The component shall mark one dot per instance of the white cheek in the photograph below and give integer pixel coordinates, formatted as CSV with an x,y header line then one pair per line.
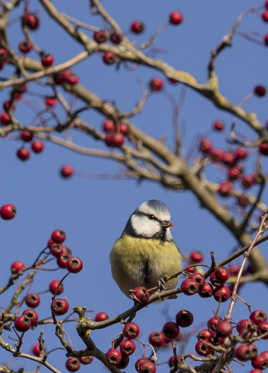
x,y
169,236
144,226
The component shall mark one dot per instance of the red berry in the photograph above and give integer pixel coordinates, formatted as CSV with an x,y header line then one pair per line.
x,y
37,146
146,366
216,155
263,148
258,316
127,347
5,118
222,274
8,211
50,101
234,173
197,277
205,146
23,154
115,139
265,39
246,181
190,269
174,360
240,153
243,200
189,286
256,371
137,27
242,352
260,90
218,125
224,328
36,349
22,323
205,290
66,171
263,328
222,294
109,58
205,334
213,322
30,20
101,316
156,84
225,188
265,16
100,36
58,236
131,330
260,362
74,264
72,79
86,359
56,249
17,266
60,306
31,315
25,46
26,135
108,125
123,128
138,362
233,270
9,105
229,159
3,55
175,18
62,260
170,330
32,300
140,295
124,362
245,328
47,60
196,256
55,287
114,356
156,339
202,348
72,364
184,318
116,37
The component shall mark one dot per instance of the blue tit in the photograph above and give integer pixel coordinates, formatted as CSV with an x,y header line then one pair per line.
x,y
146,253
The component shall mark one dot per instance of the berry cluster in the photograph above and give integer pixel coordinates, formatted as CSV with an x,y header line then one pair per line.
x,y
115,133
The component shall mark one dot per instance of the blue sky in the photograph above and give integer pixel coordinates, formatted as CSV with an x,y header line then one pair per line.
x,y
93,211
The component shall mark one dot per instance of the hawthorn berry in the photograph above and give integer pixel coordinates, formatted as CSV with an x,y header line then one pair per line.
x,y
8,211
31,315
60,306
156,339
263,148
113,356
31,21
23,153
156,84
47,60
197,277
124,362
25,46
55,287
101,316
109,58
140,295
147,366
37,146
260,362
17,266
184,318
36,349
240,153
56,249
221,274
3,55
245,328
116,37
205,146
258,316
137,27
189,286
242,352
221,294
108,125
196,256
66,171
115,139
72,364
26,135
264,16
58,236
205,290
170,330
263,328
127,347
62,260
260,90
86,359
218,125
216,155
123,128
174,360
9,105
225,188
100,36
5,118
50,101
242,200
175,18
22,323
205,334
32,300
234,173
224,328
131,330
246,181
229,159
74,264
213,322
202,348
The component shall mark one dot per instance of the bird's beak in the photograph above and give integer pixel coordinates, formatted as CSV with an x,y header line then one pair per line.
x,y
167,224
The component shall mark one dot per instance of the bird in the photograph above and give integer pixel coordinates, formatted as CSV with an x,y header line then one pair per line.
x,y
145,253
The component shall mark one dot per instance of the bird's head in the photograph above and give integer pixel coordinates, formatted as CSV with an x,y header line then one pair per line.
x,y
150,220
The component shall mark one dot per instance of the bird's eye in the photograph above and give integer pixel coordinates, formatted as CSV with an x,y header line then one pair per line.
x,y
152,217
